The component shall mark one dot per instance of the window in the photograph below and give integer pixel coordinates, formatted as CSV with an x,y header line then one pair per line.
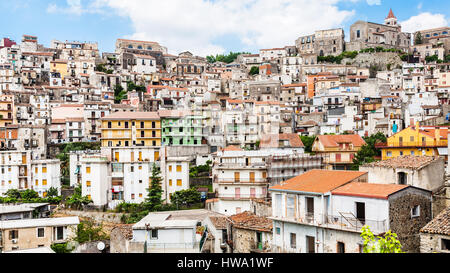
x,y
44,182
13,234
132,196
40,232
140,181
140,195
361,212
59,233
278,230
44,169
445,244
388,154
179,168
154,234
402,178
293,238
170,168
340,247
415,211
290,207
170,182
179,183
88,169
88,184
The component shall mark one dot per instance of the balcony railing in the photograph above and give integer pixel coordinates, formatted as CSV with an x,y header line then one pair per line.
x,y
242,196
441,143
338,222
240,180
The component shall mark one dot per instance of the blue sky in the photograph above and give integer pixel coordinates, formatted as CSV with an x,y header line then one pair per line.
x,y
204,27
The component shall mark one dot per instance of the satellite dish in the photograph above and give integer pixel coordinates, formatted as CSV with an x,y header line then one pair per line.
x,y
101,246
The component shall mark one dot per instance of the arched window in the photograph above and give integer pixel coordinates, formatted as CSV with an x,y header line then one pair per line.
x,y
149,48
139,47
130,46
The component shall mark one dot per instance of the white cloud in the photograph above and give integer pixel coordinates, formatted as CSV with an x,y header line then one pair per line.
x,y
374,2
195,25
419,6
423,21
76,7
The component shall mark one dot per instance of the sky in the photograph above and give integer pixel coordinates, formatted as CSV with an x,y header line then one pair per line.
x,y
206,27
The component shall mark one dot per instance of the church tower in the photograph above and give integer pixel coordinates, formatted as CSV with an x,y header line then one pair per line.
x,y
391,20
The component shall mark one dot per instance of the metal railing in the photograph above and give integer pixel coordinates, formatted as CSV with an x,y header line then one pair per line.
x,y
339,222
242,196
441,143
174,247
240,180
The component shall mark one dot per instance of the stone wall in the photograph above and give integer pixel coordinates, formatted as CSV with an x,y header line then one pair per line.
x,y
401,222
91,247
431,243
244,240
97,217
381,59
261,208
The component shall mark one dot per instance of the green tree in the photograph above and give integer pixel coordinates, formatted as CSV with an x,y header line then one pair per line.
x,y
254,70
308,141
60,248
13,194
77,201
432,58
154,198
388,243
28,195
229,58
368,152
119,93
186,197
418,39
88,232
52,192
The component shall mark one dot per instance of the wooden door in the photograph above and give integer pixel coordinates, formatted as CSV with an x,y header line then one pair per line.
x,y
252,177
237,177
156,156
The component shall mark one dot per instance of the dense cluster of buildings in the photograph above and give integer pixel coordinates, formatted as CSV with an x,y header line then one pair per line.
x,y
150,109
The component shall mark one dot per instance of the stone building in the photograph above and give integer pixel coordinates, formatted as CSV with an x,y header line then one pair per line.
x,y
250,233
425,172
119,238
388,35
435,236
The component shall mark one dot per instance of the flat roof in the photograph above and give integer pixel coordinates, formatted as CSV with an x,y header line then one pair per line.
x,y
41,222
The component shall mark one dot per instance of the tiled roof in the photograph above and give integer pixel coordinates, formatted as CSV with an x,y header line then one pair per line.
x,y
334,140
407,161
232,148
369,190
319,181
271,140
219,222
133,115
126,230
440,224
247,220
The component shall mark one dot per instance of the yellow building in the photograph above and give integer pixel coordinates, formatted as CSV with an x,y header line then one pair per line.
x,y
128,129
415,140
59,66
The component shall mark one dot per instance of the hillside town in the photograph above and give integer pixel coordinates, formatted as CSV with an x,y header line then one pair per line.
x,y
296,149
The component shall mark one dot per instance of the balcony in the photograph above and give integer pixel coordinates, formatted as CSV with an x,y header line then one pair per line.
x,y
232,197
344,221
425,144
242,181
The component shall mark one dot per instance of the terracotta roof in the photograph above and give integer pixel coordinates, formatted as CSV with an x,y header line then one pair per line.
x,y
133,115
126,230
219,222
319,181
440,224
391,15
271,140
293,85
408,161
247,220
334,140
369,190
232,148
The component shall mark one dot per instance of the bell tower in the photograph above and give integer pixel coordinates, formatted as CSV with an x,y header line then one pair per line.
x,y
391,20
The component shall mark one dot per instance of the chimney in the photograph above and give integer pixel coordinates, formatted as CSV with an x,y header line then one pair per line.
x,y
411,121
